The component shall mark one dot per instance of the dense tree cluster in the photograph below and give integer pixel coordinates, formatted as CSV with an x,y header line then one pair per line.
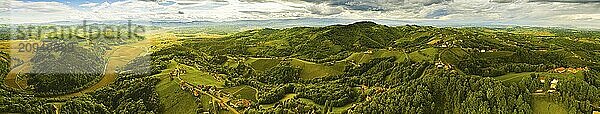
x,y
134,92
272,94
59,69
577,95
385,72
592,77
280,74
11,104
4,63
293,105
445,92
336,94
86,106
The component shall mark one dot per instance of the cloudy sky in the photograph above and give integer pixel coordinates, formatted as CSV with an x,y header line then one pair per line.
x,y
573,13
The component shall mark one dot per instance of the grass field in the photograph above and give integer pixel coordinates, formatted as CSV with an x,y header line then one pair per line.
x,y
496,54
231,63
361,57
243,92
312,70
544,105
513,77
566,76
197,77
262,64
427,54
416,56
453,55
286,97
459,52
172,98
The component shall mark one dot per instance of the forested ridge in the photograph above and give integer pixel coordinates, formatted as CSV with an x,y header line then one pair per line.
x,y
472,58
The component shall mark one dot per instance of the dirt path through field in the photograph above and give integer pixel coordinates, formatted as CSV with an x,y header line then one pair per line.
x,y
11,78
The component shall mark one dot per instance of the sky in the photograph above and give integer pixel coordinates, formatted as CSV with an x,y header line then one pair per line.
x,y
566,13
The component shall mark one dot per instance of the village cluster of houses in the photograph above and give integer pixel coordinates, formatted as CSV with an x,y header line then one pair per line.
x,y
551,89
445,44
441,65
176,73
569,70
378,90
197,91
480,50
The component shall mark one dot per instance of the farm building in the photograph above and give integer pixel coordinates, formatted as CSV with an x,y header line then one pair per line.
x,y
242,103
370,51
196,92
539,91
553,84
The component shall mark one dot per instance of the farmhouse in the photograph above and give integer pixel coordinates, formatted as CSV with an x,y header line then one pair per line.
x,y
242,103
559,70
569,70
368,51
439,64
183,85
539,91
553,84
196,92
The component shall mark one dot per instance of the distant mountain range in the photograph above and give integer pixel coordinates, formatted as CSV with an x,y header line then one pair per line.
x,y
311,22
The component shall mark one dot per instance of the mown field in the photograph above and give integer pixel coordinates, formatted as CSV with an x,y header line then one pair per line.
x,y
513,77
362,57
428,54
243,92
198,77
312,70
262,64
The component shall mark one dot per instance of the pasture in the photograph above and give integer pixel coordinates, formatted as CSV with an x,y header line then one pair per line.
x,y
243,92
262,64
196,77
172,98
312,70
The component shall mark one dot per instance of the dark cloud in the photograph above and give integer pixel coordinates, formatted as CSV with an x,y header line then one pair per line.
x,y
190,3
260,1
377,5
438,13
564,1
503,1
324,10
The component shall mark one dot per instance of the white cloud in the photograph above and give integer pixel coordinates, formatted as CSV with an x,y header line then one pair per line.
x,y
28,12
548,12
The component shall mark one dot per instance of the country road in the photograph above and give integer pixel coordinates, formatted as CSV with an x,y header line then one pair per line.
x,y
233,110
